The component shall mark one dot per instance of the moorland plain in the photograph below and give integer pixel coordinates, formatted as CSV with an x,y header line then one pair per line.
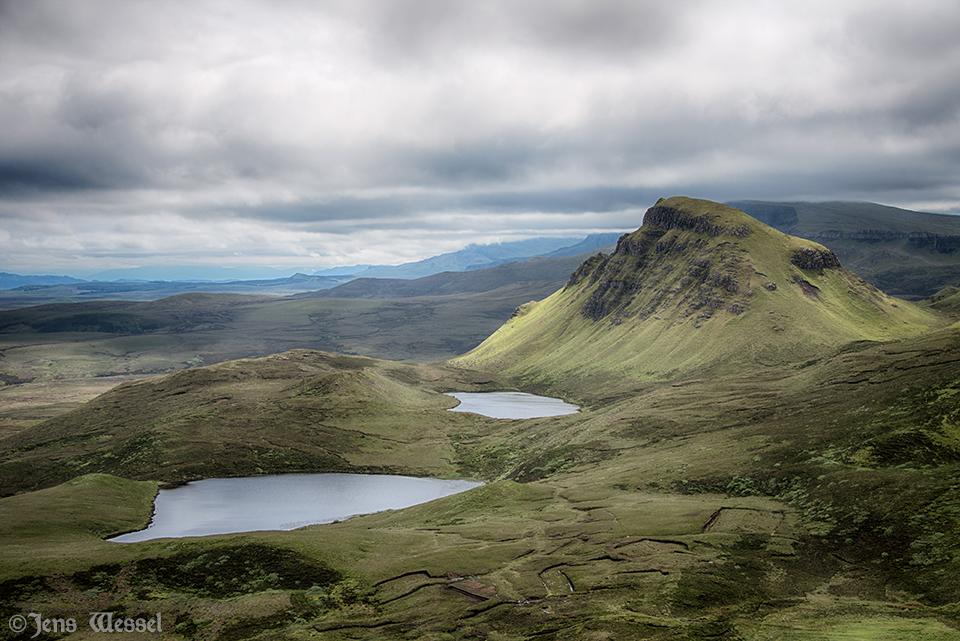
x,y
47,372
750,462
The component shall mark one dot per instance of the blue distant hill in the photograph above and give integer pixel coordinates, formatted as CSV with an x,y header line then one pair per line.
x,y
469,258
189,273
474,257
9,281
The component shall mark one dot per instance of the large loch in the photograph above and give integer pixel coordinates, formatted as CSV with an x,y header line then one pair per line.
x,y
289,501
283,502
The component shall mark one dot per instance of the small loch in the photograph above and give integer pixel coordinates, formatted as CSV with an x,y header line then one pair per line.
x,y
515,405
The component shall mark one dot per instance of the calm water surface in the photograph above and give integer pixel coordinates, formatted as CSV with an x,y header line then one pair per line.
x,y
511,405
283,502
288,501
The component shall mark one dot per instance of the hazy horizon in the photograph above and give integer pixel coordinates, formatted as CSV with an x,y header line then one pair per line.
x,y
215,273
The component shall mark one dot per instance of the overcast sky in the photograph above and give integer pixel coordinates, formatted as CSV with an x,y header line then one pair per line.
x,y
304,134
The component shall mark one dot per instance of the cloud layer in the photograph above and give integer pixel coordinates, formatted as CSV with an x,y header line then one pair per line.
x,y
309,134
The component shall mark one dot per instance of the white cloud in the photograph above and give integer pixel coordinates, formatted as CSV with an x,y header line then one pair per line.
x,y
246,119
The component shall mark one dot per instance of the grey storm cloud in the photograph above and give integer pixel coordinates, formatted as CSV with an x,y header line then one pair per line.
x,y
299,133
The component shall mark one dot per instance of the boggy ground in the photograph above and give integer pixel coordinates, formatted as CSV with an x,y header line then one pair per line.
x,y
815,502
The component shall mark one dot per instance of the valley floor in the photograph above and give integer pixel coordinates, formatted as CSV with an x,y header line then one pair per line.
x,y
815,502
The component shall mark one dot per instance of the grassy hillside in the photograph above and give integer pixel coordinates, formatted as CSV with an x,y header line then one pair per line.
x,y
700,289
905,253
821,501
43,373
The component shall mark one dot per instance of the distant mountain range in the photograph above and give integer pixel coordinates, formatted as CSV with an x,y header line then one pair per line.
x,y
469,258
23,291
474,257
908,254
189,273
551,271
9,281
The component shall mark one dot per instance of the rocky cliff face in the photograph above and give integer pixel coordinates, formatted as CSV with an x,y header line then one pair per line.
x,y
934,243
808,258
667,218
677,258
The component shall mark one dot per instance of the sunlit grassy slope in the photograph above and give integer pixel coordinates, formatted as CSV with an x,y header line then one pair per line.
x,y
700,288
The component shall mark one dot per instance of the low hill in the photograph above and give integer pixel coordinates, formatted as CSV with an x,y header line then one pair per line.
x,y
296,411
701,288
905,253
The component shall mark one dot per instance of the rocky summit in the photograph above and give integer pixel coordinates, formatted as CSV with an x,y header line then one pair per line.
x,y
699,287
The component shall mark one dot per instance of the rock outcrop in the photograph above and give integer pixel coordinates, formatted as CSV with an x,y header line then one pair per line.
x,y
808,258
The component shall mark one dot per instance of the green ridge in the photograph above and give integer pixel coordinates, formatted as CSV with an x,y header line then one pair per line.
x,y
700,288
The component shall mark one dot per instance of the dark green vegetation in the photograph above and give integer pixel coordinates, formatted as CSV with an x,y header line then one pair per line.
x,y
905,253
755,475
